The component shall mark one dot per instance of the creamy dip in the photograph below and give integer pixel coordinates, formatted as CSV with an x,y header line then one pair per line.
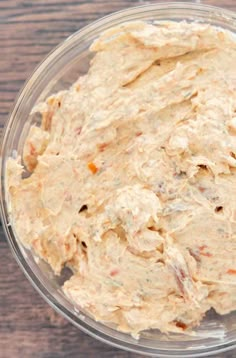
x,y
133,178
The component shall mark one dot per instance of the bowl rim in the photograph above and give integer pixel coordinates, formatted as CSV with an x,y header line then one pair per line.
x,y
4,212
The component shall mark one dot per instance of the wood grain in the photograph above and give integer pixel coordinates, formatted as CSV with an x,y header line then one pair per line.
x,y
28,31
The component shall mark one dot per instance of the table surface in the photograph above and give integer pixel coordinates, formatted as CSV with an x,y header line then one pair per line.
x,y
28,31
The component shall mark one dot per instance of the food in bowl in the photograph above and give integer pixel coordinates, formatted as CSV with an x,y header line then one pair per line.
x,y
132,176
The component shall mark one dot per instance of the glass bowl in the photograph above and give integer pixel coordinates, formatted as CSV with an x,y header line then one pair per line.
x,y
57,72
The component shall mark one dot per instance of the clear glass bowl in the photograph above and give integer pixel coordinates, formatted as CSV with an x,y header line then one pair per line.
x,y
58,71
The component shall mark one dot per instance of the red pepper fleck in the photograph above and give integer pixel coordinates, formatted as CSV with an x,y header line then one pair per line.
x,y
202,189
67,247
32,149
138,134
78,130
182,273
92,167
202,248
114,272
102,146
180,324
207,254
231,272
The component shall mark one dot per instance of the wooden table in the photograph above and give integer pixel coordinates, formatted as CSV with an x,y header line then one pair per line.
x,y
28,31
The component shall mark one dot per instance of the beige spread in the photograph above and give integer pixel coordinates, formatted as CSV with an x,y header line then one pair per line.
x,y
133,178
